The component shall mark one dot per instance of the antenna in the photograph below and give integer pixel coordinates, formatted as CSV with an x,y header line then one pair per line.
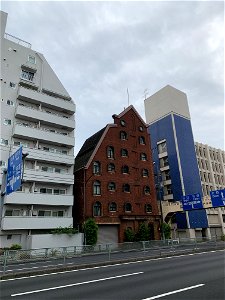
x,y
128,98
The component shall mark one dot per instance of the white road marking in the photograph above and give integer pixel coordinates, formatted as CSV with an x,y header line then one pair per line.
x,y
108,266
75,284
176,291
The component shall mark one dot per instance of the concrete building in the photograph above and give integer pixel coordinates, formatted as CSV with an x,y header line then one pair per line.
x,y
38,114
114,180
173,151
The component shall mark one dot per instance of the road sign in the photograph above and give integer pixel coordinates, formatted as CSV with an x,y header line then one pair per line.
x,y
193,201
14,172
218,198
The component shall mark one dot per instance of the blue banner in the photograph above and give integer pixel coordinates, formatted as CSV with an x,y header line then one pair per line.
x,y
193,201
14,171
218,198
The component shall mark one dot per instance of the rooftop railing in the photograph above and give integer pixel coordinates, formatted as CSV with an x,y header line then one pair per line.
x,y
17,40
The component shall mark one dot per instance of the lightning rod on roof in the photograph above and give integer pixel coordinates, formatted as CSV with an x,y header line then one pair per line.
x,y
128,98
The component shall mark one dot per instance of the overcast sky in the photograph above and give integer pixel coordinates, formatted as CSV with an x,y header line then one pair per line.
x,y
99,49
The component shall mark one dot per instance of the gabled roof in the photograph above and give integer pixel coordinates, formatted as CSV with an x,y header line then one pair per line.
x,y
129,108
87,149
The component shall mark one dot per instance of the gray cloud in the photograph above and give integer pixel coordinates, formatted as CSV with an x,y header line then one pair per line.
x,y
99,49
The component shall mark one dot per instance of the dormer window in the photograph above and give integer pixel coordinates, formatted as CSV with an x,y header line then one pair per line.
x,y
27,75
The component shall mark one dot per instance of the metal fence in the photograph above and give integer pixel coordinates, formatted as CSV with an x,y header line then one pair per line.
x,y
85,254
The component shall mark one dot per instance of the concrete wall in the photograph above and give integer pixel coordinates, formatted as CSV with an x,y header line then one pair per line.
x,y
53,240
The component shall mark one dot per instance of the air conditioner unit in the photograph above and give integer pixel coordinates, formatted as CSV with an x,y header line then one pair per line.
x,y
34,213
35,190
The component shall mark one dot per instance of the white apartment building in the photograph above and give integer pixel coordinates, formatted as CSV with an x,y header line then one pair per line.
x,y
38,114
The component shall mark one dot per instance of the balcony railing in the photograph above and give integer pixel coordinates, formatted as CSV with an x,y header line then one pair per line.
x,y
17,40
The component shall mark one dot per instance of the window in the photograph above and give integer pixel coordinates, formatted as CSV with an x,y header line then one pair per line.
x,y
125,169
57,170
2,163
124,153
164,162
58,213
166,175
27,75
110,152
8,213
169,190
162,147
141,128
112,186
128,207
123,123
147,190
141,140
145,172
7,122
123,135
96,167
97,209
96,188
45,191
143,156
44,213
112,206
4,142
148,208
9,102
12,85
111,168
126,188
31,59
59,192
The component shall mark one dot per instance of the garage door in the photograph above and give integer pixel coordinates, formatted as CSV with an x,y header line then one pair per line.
x,y
107,234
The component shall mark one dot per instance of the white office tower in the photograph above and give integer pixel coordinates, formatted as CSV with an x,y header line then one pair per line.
x,y
37,113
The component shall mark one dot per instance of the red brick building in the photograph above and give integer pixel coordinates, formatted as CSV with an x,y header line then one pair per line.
x,y
114,180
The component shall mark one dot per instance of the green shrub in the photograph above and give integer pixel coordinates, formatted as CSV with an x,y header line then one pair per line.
x,y
15,247
129,235
91,232
64,230
166,229
143,233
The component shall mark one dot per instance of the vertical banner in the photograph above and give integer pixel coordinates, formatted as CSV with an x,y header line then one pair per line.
x,y
14,171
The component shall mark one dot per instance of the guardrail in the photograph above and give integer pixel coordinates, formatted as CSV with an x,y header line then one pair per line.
x,y
109,252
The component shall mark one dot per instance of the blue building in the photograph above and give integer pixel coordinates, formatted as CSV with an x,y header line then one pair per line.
x,y
174,156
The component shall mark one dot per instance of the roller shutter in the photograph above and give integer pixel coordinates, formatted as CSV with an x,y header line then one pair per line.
x,y
107,234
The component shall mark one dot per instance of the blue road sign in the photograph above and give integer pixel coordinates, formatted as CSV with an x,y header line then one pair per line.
x,y
193,201
14,172
218,198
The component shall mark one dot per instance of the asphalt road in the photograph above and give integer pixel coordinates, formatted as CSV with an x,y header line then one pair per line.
x,y
29,266
192,277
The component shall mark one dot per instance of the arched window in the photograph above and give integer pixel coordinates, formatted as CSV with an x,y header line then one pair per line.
x,y
147,190
96,188
123,135
126,188
128,207
124,152
148,208
97,207
145,173
125,169
112,206
141,140
96,167
112,186
110,152
143,156
111,167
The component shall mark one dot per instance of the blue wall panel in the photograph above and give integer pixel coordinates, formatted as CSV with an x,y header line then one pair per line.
x,y
198,219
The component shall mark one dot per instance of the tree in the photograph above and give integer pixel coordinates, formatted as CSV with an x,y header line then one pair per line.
x,y
91,232
166,229
143,233
129,235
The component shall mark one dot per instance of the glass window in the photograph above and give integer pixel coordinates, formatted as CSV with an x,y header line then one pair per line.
x,y
111,167
164,162
57,170
96,167
2,163
145,172
27,75
45,191
125,169
143,156
148,208
97,209
112,186
126,188
141,140
147,190
9,102
31,59
12,85
7,122
110,152
4,142
123,135
162,147
8,213
97,188
123,123
112,206
124,152
128,207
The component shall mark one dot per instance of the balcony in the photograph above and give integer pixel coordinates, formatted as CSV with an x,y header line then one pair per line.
x,y
49,101
40,134
48,177
29,113
22,198
14,223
